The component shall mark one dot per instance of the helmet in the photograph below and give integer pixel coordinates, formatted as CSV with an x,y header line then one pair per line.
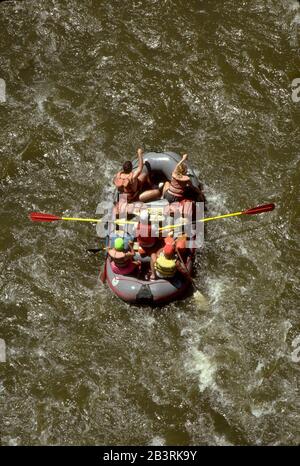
x,y
119,244
169,250
169,240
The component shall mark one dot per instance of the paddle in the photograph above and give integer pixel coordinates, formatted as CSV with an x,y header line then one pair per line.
x,y
255,210
94,250
103,274
40,217
187,272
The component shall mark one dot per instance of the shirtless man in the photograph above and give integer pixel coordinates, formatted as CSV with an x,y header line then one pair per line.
x,y
131,182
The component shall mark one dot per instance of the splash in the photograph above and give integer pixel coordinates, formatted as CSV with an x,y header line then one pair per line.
x,y
201,301
157,442
203,366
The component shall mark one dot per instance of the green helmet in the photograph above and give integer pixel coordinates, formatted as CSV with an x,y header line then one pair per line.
x,y
119,244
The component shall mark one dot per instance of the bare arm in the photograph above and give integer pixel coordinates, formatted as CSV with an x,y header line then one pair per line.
x,y
137,173
131,252
184,157
111,253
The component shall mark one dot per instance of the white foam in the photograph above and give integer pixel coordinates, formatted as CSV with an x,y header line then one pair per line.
x,y
221,440
202,365
216,200
154,42
201,301
294,5
259,367
13,442
157,441
285,325
262,410
216,289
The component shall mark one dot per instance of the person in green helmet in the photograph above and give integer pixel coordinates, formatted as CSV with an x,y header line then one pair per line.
x,y
121,261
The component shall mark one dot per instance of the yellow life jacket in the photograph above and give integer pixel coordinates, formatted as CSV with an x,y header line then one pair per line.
x,y
165,267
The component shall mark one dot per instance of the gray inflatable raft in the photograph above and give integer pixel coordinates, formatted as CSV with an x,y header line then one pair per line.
x,y
135,290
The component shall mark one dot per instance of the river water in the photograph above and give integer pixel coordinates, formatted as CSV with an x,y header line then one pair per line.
x,y
87,82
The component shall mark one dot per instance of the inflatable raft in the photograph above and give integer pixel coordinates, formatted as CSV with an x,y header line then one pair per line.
x,y
139,289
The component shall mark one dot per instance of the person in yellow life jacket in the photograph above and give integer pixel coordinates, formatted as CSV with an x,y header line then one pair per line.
x,y
131,182
163,263
122,262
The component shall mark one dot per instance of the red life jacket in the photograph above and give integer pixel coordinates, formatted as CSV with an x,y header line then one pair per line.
x,y
121,259
126,184
177,186
143,234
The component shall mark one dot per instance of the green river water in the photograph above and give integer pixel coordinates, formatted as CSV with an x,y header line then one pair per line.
x,y
87,82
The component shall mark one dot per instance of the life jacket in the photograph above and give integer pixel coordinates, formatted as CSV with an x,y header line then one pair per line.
x,y
178,186
181,243
169,240
130,268
143,234
165,267
126,184
119,258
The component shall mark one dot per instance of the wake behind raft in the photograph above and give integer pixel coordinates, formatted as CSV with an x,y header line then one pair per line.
x,y
136,287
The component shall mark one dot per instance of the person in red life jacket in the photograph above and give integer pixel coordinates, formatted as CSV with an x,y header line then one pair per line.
x,y
170,238
176,190
131,182
145,237
122,262
182,253
180,244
